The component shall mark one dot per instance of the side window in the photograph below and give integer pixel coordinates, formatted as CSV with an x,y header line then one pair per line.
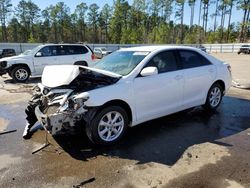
x,y
74,50
80,50
46,51
62,50
164,61
190,59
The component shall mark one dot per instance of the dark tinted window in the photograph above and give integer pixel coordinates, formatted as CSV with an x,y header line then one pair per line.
x,y
62,50
164,61
190,59
77,50
49,51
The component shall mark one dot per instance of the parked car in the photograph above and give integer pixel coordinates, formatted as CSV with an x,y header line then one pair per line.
x,y
101,52
32,62
126,88
201,47
244,49
7,53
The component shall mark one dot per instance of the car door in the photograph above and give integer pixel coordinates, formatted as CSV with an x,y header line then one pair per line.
x,y
160,94
199,74
45,56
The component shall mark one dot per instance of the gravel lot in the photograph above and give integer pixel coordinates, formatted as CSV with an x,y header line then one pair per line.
x,y
194,149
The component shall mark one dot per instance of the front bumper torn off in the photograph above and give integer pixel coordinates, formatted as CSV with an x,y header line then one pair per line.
x,y
52,123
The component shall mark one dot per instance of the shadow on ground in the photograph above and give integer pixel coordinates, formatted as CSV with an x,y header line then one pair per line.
x,y
165,139
32,80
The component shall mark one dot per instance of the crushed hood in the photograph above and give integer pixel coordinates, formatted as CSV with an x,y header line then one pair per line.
x,y
59,75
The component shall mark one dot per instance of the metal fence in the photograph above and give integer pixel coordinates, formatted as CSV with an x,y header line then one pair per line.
x,y
211,48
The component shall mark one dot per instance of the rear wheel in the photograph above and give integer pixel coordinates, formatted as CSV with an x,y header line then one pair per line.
x,y
20,73
108,126
214,97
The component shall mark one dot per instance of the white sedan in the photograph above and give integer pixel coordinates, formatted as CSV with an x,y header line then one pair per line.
x,y
126,88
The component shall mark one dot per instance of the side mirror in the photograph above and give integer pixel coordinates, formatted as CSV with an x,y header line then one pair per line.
x,y
39,54
149,71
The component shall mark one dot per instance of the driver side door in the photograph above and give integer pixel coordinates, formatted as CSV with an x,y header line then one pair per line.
x,y
45,56
161,94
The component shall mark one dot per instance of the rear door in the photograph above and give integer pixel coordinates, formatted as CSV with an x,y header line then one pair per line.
x,y
199,75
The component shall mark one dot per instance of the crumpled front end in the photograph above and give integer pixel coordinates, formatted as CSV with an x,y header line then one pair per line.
x,y
56,109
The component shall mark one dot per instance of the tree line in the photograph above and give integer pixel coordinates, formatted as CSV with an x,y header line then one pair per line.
x,y
144,21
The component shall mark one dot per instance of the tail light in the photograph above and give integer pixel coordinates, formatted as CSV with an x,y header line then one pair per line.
x,y
93,56
229,68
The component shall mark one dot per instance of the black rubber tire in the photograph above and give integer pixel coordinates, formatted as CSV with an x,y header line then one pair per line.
x,y
15,69
92,128
82,63
207,105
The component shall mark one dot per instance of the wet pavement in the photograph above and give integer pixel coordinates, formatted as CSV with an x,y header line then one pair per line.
x,y
187,149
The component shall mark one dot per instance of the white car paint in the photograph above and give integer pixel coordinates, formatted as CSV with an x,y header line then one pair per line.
x,y
161,94
37,64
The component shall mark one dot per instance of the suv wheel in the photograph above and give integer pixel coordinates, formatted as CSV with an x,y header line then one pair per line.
x,y
214,97
108,126
20,73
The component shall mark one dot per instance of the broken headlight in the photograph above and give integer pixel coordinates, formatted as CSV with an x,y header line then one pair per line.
x,y
76,101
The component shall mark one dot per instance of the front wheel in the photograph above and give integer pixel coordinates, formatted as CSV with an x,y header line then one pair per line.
x,y
214,97
108,126
20,73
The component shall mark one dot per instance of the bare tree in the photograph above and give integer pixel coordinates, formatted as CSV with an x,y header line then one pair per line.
x,y
5,9
191,3
229,18
245,6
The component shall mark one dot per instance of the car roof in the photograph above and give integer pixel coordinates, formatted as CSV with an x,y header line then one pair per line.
x,y
153,48
64,44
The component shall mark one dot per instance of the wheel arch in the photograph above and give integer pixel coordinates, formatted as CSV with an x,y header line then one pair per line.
x,y
222,84
20,64
83,63
121,103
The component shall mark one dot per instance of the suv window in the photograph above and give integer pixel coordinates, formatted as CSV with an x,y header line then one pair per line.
x,y
164,61
76,50
191,59
48,51
62,50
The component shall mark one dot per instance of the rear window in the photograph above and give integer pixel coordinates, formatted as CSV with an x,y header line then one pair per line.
x,y
191,59
72,50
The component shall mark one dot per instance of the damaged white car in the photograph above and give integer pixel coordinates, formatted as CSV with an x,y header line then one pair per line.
x,y
126,88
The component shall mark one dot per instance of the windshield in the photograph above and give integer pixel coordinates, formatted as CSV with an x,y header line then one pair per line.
x,y
30,52
121,62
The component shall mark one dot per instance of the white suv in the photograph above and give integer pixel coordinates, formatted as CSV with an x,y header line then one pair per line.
x,y
126,88
32,62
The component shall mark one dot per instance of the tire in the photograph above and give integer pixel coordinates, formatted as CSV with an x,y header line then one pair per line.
x,y
103,133
214,97
20,73
82,63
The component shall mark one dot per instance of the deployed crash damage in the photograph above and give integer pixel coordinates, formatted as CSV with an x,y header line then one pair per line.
x,y
58,102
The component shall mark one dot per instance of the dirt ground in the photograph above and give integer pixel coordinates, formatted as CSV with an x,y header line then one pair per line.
x,y
194,149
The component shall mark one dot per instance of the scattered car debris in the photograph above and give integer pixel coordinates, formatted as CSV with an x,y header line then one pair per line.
x,y
41,148
46,144
84,182
239,85
6,132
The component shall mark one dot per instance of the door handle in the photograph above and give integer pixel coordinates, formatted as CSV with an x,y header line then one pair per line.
x,y
178,77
